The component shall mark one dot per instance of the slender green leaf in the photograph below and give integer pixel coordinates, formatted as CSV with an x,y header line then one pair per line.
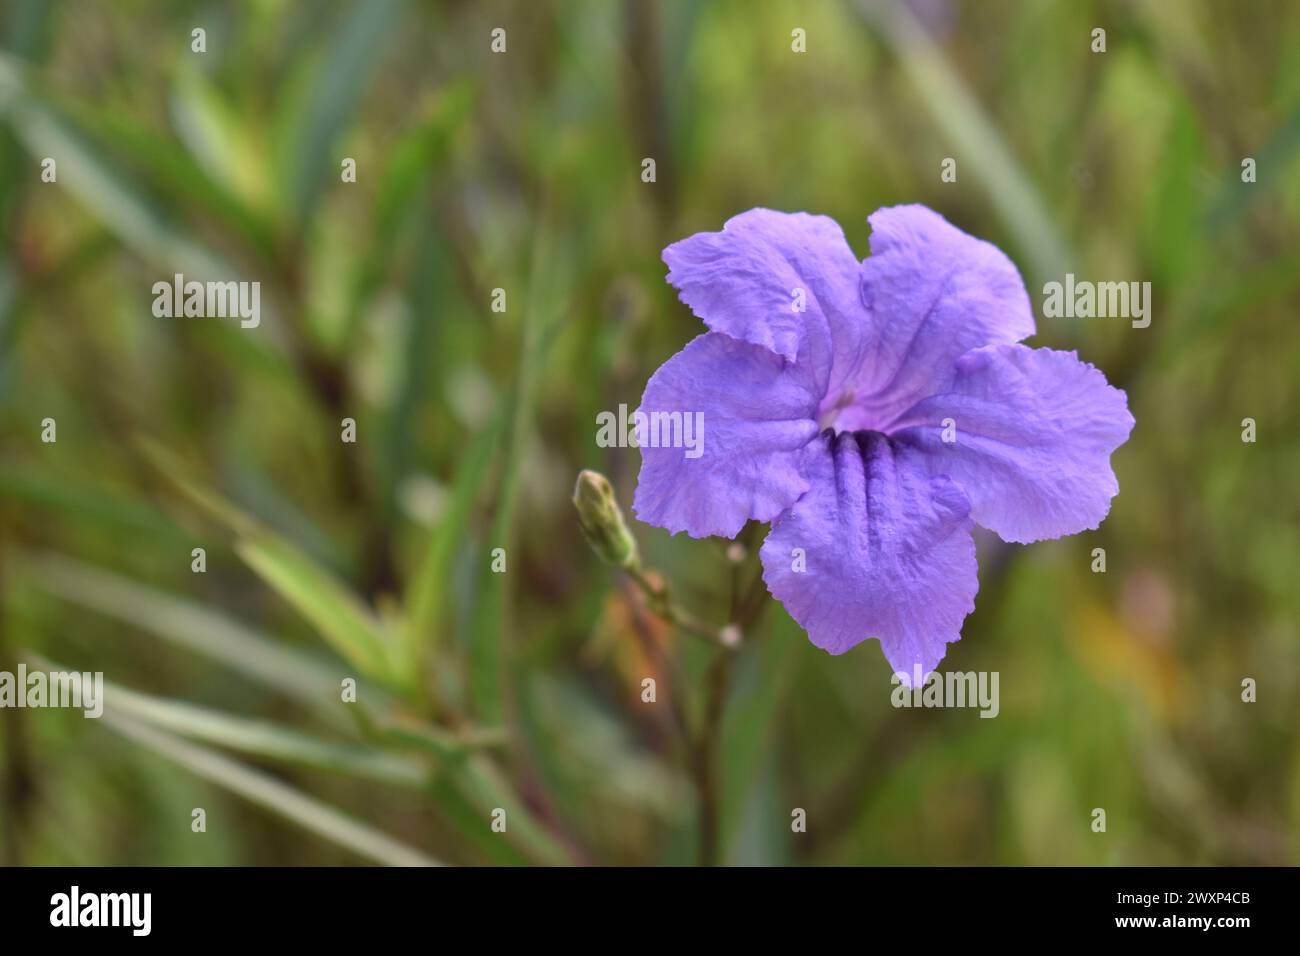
x,y
28,31
322,600
1272,159
960,115
415,160
87,170
341,79
178,179
487,656
91,503
749,724
425,619
215,636
263,739
222,141
266,791
191,626
472,787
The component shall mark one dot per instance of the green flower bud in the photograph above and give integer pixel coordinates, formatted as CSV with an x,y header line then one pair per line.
x,y
602,523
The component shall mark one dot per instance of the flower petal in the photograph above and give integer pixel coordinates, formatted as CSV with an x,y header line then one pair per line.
x,y
745,280
888,553
757,415
1034,431
932,293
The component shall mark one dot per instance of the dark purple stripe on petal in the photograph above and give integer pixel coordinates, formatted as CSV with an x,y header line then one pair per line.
x,y
876,548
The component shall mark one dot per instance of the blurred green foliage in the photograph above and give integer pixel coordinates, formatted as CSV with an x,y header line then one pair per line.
x,y
522,691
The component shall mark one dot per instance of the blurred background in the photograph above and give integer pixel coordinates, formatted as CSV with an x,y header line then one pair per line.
x,y
521,691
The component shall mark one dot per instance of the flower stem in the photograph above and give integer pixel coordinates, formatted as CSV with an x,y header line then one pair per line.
x,y
706,757
661,603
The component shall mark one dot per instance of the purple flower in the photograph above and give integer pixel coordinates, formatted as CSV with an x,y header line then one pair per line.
x,y
875,425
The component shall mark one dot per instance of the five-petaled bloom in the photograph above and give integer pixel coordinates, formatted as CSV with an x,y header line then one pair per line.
x,y
874,412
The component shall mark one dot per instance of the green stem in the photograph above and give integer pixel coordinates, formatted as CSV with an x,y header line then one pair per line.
x,y
663,606
706,757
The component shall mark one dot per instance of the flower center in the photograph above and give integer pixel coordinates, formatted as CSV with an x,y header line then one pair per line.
x,y
830,410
